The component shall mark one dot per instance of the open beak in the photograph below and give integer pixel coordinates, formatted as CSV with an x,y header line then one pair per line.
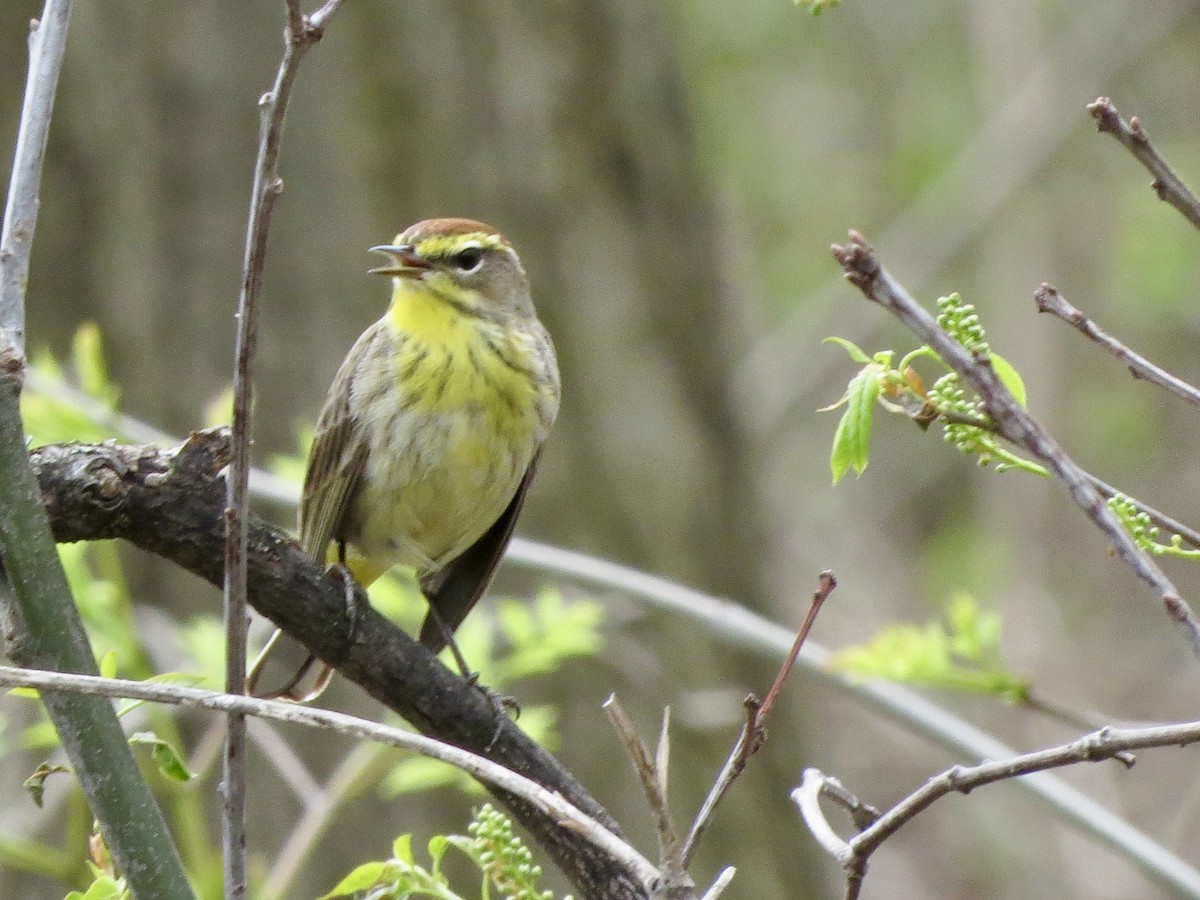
x,y
404,261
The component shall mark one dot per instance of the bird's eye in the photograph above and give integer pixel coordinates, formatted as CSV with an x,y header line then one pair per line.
x,y
469,259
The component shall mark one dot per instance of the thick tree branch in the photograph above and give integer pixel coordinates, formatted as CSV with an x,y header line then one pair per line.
x,y
170,503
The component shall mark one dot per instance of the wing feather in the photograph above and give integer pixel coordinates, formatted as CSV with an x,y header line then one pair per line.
x,y
456,588
338,456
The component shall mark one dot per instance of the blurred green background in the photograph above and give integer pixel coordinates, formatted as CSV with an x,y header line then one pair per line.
x,y
672,174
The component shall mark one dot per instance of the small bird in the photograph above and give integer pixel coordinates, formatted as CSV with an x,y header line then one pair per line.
x,y
431,430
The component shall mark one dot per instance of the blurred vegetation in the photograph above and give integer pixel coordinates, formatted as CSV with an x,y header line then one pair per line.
x,y
672,174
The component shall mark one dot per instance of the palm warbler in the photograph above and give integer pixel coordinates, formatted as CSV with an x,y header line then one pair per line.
x,y
431,430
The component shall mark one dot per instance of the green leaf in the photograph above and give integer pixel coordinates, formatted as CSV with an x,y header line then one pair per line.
x,y
856,352
105,887
87,352
402,849
108,664
852,440
1009,377
361,879
961,651
165,756
35,784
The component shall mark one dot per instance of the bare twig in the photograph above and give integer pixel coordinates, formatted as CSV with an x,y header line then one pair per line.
x,y
864,271
826,582
853,855
652,776
549,802
300,36
754,732
1049,300
814,785
1132,136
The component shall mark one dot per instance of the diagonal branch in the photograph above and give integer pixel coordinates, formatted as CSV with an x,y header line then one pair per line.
x,y
170,503
864,271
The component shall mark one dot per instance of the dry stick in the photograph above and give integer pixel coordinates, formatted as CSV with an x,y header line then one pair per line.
x,y
648,774
864,271
652,776
300,35
1049,300
754,731
1167,185
1104,744
550,802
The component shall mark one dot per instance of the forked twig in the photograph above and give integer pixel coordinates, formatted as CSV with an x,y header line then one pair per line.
x,y
652,775
754,732
854,854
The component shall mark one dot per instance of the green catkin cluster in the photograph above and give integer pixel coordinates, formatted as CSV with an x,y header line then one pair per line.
x,y
948,394
961,322
504,858
1136,522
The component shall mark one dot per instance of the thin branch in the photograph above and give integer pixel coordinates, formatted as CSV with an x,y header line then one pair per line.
x,y
754,732
919,414
299,37
1132,136
826,583
551,803
864,271
853,855
47,43
813,785
1049,300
